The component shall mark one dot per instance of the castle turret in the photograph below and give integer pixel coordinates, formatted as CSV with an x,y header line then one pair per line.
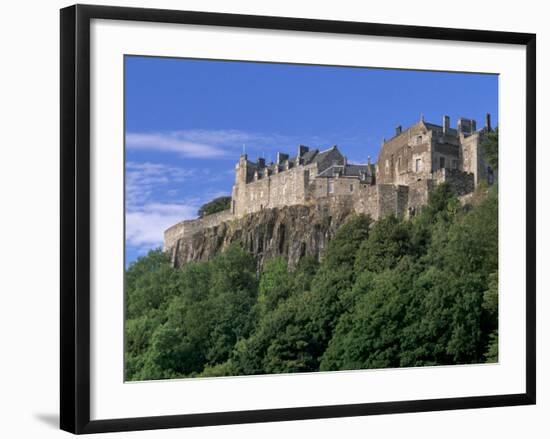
x,y
446,124
466,126
241,170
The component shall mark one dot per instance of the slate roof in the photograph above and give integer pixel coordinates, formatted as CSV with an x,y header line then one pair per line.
x,y
309,157
351,170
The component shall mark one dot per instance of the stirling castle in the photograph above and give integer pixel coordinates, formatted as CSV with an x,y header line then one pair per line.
x,y
409,166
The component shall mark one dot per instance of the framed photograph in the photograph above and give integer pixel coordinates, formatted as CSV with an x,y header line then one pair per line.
x,y
273,218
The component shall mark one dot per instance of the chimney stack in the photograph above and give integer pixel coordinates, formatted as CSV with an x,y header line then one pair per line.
x,y
302,149
446,124
398,130
261,162
488,122
281,157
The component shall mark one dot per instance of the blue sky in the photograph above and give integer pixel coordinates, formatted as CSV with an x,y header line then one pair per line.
x,y
187,122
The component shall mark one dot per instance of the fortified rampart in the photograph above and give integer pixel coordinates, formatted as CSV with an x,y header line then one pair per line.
x,y
190,227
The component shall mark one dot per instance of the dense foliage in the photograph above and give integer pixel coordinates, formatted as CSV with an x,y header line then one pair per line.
x,y
214,206
386,294
490,148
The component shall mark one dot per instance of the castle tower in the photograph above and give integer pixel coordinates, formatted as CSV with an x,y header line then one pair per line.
x,y
473,158
241,170
239,188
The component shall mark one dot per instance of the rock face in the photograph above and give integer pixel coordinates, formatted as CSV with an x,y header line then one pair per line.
x,y
292,231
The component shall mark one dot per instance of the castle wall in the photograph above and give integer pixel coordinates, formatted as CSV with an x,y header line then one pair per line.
x,y
461,182
470,155
392,200
418,195
190,227
281,189
402,200
397,162
448,152
365,200
330,187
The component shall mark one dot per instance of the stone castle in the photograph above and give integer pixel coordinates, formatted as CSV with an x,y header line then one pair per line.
x,y
409,166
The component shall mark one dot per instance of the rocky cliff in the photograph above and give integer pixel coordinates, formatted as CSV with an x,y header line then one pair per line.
x,y
292,232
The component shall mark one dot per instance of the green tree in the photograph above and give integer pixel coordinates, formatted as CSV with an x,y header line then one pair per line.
x,y
304,274
390,294
369,336
490,148
233,296
388,241
490,305
150,282
276,284
216,205
283,342
333,281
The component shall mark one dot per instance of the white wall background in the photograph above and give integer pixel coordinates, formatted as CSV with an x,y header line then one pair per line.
x,y
29,249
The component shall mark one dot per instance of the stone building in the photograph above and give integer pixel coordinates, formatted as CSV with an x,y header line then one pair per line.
x,y
409,166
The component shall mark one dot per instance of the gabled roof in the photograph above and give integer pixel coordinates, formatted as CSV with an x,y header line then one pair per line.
x,y
351,170
322,158
309,156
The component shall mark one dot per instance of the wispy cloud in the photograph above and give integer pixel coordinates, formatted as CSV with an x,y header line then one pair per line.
x,y
173,142
145,225
146,215
214,144
143,179
154,201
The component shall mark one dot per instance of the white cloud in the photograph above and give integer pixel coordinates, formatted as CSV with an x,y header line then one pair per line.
x,y
216,144
145,226
173,142
210,144
146,216
205,144
146,178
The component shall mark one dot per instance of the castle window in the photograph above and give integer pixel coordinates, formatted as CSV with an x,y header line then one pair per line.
x,y
351,188
455,164
418,140
442,162
331,186
418,165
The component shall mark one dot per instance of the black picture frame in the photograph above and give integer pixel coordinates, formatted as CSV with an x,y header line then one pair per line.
x,y
75,217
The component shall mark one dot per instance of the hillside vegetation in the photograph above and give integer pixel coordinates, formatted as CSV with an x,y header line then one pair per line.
x,y
216,205
394,293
